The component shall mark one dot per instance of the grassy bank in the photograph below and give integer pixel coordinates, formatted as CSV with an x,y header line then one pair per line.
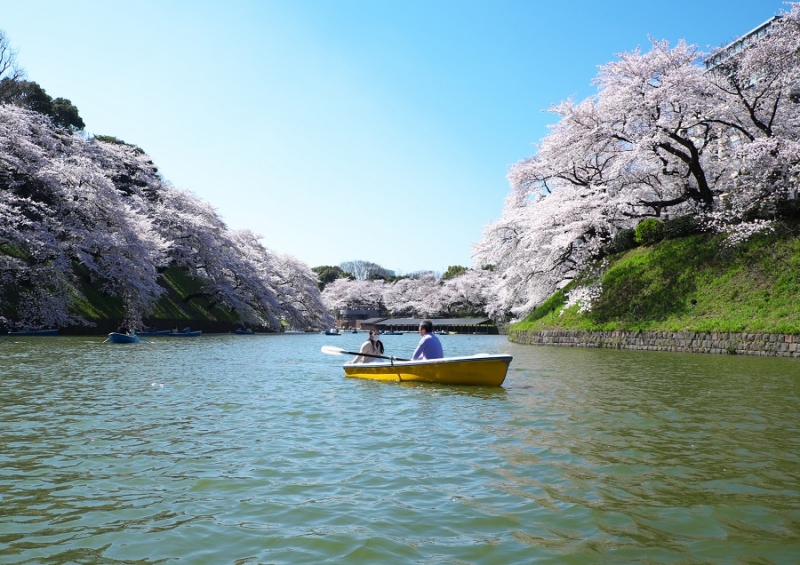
x,y
694,283
183,304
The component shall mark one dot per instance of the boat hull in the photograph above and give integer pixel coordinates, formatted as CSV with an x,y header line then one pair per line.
x,y
197,333
115,337
476,370
154,334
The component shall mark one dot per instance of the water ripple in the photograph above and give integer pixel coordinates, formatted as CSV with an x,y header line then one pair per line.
x,y
257,450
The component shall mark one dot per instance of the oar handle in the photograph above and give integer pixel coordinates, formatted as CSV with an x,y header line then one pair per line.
x,y
377,356
330,350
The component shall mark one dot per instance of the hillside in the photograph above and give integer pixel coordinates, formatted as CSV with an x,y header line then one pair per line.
x,y
90,233
695,284
182,304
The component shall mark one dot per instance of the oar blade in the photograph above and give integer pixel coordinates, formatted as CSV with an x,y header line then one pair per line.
x,y
331,350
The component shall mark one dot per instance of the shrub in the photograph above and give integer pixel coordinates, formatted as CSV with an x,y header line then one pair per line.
x,y
649,231
623,240
681,227
788,209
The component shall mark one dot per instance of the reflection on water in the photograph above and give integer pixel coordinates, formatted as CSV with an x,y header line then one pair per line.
x,y
256,449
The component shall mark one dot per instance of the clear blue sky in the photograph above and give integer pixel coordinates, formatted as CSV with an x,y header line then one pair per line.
x,y
339,129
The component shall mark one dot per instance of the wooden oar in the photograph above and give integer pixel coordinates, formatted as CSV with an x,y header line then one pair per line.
x,y
331,350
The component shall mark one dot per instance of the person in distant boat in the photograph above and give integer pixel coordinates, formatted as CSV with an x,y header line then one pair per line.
x,y
373,346
429,346
122,330
186,330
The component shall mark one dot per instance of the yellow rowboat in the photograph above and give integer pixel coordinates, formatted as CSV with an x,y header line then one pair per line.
x,y
477,370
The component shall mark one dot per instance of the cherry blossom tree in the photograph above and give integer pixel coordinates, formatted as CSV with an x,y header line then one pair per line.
x,y
418,296
538,245
72,208
346,293
35,260
292,295
662,137
423,296
299,294
469,293
757,88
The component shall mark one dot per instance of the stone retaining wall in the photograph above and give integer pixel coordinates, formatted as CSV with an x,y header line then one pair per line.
x,y
771,345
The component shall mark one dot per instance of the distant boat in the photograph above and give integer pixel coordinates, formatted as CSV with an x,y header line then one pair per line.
x,y
244,332
293,332
392,333
155,333
24,333
332,331
197,333
115,337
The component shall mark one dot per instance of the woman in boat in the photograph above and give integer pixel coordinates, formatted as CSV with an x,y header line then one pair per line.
x,y
373,346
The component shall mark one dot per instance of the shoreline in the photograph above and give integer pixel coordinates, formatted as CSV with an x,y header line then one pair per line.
x,y
716,343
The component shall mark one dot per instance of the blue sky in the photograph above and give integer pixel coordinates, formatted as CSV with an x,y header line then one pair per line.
x,y
340,129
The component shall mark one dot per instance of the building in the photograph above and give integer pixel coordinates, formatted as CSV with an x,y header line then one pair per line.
x,y
739,44
450,325
352,318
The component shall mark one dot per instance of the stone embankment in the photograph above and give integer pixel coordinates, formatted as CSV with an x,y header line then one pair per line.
x,y
768,345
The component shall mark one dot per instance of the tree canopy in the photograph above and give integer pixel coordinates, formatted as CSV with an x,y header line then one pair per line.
x,y
453,271
364,270
327,274
663,137
14,89
424,295
70,204
30,95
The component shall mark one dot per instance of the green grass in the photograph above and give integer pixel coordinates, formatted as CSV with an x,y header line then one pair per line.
x,y
93,304
752,288
173,306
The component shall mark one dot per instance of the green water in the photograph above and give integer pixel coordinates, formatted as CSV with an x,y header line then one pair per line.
x,y
256,449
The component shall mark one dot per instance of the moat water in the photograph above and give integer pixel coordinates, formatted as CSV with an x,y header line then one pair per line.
x,y
257,449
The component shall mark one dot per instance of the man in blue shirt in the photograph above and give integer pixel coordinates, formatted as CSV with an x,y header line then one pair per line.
x,y
429,346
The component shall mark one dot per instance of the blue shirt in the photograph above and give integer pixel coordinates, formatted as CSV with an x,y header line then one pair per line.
x,y
429,348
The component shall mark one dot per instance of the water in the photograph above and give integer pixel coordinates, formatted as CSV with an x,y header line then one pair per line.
x,y
256,449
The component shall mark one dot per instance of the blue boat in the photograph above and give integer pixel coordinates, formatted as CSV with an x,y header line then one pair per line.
x,y
116,337
28,333
244,332
155,333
